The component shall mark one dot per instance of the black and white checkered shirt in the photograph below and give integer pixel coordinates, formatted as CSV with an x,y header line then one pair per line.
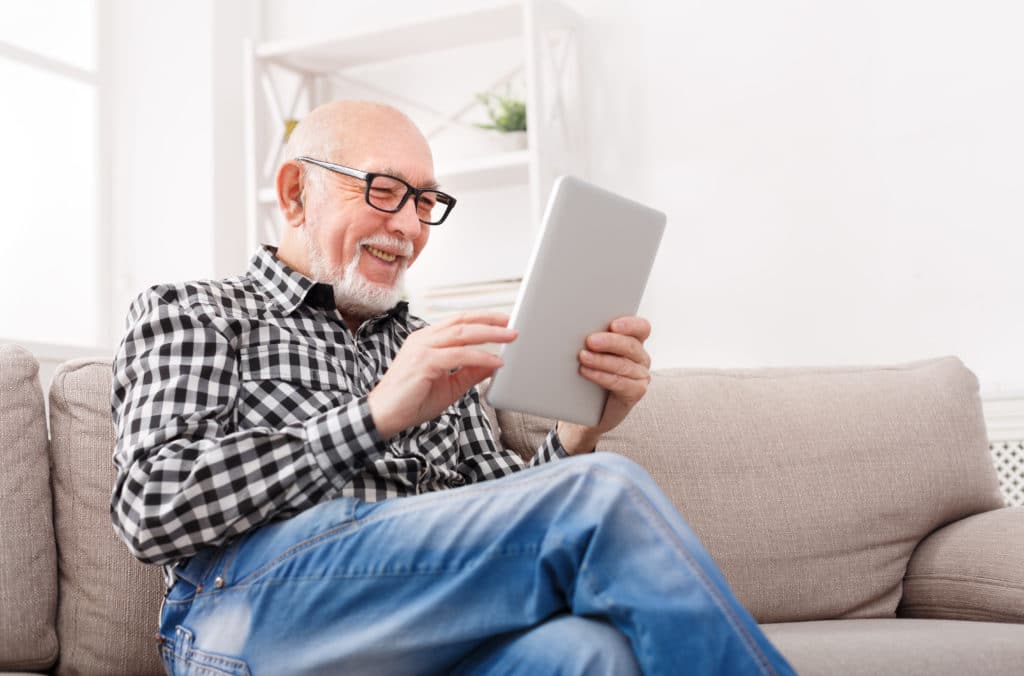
x,y
242,401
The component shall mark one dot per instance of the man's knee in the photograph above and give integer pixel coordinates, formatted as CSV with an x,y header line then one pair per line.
x,y
584,646
619,465
566,645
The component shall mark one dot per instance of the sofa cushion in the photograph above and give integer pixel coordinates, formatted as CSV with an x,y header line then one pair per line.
x,y
970,570
28,557
109,602
810,487
899,647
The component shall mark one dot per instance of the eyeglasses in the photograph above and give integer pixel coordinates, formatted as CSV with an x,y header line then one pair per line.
x,y
389,194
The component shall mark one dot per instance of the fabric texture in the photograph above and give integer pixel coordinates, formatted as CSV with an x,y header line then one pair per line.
x,y
418,585
28,557
970,570
900,647
809,486
109,603
252,391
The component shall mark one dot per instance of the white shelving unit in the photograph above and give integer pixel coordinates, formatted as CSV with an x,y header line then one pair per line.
x,y
286,79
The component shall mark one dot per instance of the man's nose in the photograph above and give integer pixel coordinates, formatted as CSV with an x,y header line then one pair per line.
x,y
405,220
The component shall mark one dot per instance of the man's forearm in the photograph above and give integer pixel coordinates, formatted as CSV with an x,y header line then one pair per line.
x,y
576,439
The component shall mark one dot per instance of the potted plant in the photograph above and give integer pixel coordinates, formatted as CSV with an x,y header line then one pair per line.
x,y
508,118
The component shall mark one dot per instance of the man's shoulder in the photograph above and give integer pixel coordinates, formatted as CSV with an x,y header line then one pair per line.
x,y
229,297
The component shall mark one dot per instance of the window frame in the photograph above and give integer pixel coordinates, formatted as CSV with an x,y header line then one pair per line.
x,y
99,80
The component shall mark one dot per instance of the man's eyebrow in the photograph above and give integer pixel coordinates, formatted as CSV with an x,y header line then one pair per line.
x,y
432,185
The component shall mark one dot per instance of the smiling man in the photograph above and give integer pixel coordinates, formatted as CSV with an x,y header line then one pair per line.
x,y
312,465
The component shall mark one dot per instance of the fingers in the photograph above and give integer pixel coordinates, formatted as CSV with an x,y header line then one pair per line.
x,y
447,359
618,344
638,327
469,376
619,366
627,389
482,317
470,334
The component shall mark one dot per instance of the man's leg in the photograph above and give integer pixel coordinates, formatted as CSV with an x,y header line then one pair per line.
x,y
415,585
565,645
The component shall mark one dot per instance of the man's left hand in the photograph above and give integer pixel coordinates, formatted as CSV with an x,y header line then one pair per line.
x,y
616,360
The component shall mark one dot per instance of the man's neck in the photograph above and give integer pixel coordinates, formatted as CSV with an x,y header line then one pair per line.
x,y
352,322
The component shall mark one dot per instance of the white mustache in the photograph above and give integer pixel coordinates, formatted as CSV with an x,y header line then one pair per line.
x,y
381,241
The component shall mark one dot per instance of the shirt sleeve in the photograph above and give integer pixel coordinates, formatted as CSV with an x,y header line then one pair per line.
x,y
550,449
186,477
483,457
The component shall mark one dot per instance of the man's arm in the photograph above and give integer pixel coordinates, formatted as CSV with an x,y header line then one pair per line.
x,y
482,453
186,478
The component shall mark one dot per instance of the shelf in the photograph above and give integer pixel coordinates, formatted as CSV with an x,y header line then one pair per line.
x,y
486,172
499,22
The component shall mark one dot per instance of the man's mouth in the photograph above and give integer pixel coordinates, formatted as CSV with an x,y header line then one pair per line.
x,y
381,254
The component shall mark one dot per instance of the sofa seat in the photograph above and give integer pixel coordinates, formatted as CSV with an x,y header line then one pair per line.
x,y
900,647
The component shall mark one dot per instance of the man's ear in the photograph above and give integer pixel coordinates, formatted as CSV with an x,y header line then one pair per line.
x,y
290,185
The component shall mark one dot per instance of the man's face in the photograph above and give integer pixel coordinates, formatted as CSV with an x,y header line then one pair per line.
x,y
361,251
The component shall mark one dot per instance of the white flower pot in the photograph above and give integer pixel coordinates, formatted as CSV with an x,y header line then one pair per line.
x,y
508,141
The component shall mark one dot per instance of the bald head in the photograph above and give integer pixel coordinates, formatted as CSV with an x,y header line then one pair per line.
x,y
341,131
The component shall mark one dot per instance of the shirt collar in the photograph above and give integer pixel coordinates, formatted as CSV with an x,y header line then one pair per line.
x,y
289,288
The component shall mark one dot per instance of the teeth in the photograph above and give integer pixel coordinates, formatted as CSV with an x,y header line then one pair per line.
x,y
381,255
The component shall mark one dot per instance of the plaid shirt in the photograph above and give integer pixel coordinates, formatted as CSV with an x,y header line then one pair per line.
x,y
242,401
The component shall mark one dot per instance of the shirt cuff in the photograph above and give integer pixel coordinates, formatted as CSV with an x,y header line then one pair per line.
x,y
343,440
550,450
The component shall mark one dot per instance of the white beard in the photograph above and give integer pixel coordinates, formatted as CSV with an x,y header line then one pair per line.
x,y
353,293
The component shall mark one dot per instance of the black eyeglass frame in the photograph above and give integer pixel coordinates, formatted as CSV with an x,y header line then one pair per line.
x,y
409,189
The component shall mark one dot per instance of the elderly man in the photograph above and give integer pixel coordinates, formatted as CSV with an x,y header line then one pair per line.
x,y
313,467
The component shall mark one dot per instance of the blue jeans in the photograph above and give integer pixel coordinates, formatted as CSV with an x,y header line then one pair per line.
x,y
581,566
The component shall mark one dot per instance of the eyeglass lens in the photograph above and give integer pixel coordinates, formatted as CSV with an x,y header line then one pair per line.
x,y
386,193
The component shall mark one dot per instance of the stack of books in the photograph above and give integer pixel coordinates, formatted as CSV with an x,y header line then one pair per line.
x,y
439,302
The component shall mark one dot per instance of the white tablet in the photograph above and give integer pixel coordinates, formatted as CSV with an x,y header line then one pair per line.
x,y
589,266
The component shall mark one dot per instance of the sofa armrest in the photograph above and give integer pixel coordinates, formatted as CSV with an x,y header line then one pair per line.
x,y
972,569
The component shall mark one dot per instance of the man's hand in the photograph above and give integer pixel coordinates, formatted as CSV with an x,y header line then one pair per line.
x,y
615,360
422,380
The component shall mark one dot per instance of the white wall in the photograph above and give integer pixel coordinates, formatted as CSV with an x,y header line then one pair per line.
x,y
177,197
162,145
842,180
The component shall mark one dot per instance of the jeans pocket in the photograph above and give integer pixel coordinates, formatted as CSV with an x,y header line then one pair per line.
x,y
267,548
180,658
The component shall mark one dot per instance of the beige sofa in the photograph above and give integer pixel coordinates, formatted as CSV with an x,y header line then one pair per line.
x,y
854,510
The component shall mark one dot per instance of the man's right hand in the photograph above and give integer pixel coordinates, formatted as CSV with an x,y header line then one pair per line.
x,y
420,383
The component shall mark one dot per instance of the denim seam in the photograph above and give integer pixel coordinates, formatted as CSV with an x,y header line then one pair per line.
x,y
230,558
218,659
752,648
351,576
209,669
299,547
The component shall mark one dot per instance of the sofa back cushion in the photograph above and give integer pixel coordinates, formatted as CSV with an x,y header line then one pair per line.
x,y
109,606
810,487
28,558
